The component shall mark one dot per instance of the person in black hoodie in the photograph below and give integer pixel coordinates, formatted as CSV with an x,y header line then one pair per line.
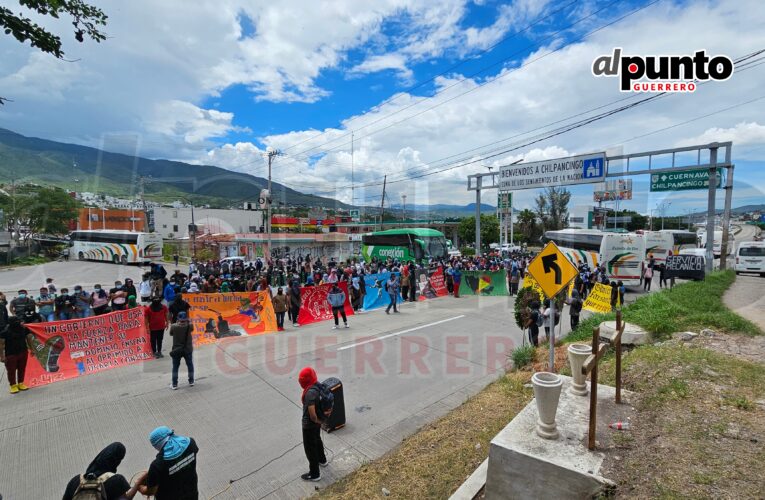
x,y
105,466
178,305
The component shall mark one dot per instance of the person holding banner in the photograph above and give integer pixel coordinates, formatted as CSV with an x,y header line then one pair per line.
x,y
14,353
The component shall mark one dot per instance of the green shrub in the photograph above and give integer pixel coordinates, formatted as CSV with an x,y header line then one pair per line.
x,y
523,356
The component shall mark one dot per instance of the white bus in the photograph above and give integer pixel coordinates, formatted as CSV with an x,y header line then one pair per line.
x,y
119,247
659,243
621,253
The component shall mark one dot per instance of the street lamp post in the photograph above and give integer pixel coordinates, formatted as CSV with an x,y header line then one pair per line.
x,y
664,206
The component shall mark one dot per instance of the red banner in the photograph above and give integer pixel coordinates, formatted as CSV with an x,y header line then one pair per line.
x,y
431,284
222,315
314,305
66,349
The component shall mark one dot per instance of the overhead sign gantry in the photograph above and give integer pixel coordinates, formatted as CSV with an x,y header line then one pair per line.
x,y
595,167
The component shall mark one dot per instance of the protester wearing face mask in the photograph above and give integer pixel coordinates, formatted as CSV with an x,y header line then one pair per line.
x,y
100,300
130,288
118,296
46,305
65,304
82,301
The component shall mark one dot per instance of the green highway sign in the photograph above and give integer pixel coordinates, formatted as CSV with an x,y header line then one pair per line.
x,y
683,181
504,201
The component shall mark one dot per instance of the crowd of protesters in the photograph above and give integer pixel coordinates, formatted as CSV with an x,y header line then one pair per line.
x,y
282,276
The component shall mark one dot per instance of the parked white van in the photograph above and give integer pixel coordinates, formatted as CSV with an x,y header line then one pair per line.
x,y
750,257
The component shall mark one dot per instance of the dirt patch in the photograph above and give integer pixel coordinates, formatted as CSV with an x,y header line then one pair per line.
x,y
700,425
434,462
740,346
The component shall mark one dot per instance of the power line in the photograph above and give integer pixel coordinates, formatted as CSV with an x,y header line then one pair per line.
x,y
464,161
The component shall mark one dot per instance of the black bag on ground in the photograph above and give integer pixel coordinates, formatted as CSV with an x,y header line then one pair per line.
x,y
336,419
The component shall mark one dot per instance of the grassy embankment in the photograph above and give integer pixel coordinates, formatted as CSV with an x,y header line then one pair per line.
x,y
688,399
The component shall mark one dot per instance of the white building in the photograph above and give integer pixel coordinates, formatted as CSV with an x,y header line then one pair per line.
x,y
581,217
173,222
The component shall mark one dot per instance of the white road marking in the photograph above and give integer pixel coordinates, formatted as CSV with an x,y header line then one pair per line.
x,y
400,333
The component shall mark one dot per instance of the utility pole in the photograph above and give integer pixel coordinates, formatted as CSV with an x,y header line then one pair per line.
x,y
403,197
271,153
193,233
479,182
382,203
353,189
726,220
141,190
711,209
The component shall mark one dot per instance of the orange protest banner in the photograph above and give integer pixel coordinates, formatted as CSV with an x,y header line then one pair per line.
x,y
221,315
60,350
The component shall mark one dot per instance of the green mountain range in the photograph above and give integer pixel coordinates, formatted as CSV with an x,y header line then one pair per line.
x,y
69,166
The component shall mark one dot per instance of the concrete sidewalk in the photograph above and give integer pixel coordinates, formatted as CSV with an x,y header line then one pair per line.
x,y
745,298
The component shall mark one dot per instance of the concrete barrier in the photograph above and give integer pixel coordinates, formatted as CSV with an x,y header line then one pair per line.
x,y
522,465
633,334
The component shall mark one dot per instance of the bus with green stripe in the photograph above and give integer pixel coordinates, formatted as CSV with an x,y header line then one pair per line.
x,y
404,245
118,247
621,253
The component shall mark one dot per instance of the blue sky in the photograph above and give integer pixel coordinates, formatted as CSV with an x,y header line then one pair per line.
x,y
420,83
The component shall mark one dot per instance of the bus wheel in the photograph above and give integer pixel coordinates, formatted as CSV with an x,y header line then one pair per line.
x,y
116,259
124,260
81,256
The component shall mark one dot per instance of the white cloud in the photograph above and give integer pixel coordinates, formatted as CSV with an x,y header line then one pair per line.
x,y
384,62
742,134
189,122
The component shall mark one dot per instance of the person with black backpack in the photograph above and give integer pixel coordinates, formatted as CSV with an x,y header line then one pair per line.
x,y
100,480
317,406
